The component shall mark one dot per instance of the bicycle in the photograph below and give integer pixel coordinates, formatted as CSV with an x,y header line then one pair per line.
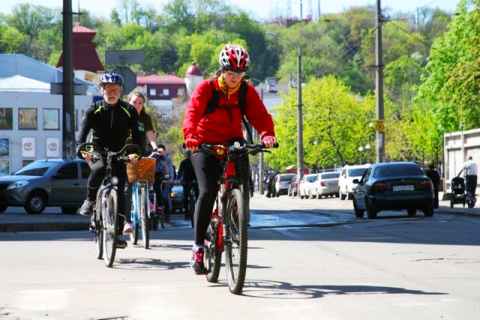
x,y
140,174
228,225
105,212
192,199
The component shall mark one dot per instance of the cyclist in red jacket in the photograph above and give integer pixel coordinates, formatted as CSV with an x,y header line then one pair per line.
x,y
222,125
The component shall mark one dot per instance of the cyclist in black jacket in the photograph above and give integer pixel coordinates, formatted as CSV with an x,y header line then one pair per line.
x,y
111,121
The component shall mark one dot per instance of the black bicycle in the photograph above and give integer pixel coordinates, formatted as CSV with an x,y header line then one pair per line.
x,y
105,212
228,225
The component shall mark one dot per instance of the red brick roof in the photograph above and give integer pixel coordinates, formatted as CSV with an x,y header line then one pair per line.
x,y
159,79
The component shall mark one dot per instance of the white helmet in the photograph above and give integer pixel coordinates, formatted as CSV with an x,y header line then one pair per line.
x,y
234,57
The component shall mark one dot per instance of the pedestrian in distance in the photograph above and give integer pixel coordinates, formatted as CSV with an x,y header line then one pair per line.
x,y
433,175
188,179
221,122
112,121
167,185
470,168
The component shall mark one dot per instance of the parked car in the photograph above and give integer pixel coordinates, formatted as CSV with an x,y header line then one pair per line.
x,y
46,183
393,186
281,183
292,187
345,182
177,195
326,184
305,185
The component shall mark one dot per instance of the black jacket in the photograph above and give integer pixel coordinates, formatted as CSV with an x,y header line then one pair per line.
x,y
111,125
186,173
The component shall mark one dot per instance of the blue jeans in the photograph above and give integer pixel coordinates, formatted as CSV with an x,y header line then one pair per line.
x,y
167,200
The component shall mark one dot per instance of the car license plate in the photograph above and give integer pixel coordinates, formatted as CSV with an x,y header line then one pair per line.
x,y
403,188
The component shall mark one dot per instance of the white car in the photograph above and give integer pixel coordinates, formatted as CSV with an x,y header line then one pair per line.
x,y
326,184
305,185
282,181
347,175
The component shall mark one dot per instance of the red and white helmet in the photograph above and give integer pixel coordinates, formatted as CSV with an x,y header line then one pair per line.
x,y
234,58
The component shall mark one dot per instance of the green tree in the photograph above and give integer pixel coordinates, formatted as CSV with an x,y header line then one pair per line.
x,y
453,76
11,40
30,19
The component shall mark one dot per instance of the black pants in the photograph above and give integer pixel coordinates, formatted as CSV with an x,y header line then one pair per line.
x,y
97,174
187,187
471,184
207,169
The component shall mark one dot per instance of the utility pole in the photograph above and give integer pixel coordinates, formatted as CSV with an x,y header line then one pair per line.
x,y
299,120
68,130
380,129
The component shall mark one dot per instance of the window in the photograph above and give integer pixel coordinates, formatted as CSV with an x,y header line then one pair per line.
x,y
330,175
181,92
51,119
153,92
27,119
166,92
85,170
4,147
6,119
398,170
68,172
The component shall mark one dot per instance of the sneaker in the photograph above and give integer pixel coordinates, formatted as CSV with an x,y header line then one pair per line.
x,y
167,219
127,228
121,243
87,208
197,261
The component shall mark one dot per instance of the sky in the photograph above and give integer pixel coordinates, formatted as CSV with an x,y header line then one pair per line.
x,y
259,9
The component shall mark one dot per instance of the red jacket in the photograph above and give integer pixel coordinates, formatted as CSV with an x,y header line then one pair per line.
x,y
223,125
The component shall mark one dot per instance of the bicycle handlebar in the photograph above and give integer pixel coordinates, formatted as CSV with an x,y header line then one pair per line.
x,y
82,148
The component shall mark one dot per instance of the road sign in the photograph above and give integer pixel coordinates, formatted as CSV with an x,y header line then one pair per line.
x,y
380,126
129,79
123,57
78,89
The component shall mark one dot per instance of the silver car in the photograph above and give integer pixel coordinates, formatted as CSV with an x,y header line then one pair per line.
x,y
42,183
325,185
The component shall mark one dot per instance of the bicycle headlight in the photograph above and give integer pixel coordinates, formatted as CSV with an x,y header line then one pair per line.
x,y
18,184
115,181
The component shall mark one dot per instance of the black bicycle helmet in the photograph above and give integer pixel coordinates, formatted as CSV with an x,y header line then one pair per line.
x,y
111,78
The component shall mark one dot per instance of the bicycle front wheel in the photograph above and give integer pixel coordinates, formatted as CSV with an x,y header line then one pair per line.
x,y
213,257
110,227
98,225
143,208
236,241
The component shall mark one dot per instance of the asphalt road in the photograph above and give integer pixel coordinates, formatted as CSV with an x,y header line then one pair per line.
x,y
332,267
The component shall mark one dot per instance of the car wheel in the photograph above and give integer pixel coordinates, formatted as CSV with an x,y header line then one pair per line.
x,y
3,208
358,212
36,203
337,194
371,212
428,212
349,195
451,203
342,196
412,212
69,210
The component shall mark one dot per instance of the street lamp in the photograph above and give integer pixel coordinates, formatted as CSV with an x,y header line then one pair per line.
x,y
299,112
367,147
360,150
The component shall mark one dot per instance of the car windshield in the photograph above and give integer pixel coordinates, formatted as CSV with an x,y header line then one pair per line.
x,y
330,175
37,168
287,178
309,178
398,170
356,172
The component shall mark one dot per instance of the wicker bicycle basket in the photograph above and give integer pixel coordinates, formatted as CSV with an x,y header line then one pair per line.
x,y
141,170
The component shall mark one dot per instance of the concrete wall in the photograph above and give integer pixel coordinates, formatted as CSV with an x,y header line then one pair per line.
x,y
457,147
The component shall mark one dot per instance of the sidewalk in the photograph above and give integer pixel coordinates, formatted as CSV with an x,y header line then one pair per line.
x,y
17,220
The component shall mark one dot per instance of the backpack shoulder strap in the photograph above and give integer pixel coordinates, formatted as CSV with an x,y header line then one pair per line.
x,y
213,103
242,96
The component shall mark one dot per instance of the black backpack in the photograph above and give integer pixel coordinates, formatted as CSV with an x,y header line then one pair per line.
x,y
242,98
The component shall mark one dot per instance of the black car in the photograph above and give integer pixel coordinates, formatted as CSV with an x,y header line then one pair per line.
x,y
46,183
393,186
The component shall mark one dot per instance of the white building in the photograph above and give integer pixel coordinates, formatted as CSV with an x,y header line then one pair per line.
x,y
31,117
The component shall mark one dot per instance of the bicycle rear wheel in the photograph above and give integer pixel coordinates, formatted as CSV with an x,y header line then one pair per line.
x,y
236,241
110,227
213,257
143,209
